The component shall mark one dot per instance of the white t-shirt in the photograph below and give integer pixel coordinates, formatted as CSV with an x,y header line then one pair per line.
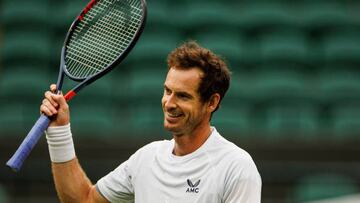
x,y
217,172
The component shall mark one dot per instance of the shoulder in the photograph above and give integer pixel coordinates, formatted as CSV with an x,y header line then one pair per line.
x,y
238,162
241,165
239,172
230,149
155,146
151,149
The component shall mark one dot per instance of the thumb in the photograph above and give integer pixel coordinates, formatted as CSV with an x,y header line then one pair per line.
x,y
63,114
60,99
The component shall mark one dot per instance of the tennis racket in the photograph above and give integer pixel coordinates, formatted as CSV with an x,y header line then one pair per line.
x,y
97,41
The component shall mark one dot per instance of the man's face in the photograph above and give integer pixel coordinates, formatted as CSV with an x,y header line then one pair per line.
x,y
181,103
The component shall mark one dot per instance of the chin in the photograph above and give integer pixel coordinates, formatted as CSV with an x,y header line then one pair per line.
x,y
172,128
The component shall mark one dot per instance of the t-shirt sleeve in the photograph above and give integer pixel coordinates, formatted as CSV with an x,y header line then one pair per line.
x,y
243,183
117,185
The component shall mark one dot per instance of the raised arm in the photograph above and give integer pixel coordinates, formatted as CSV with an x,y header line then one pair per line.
x,y
71,182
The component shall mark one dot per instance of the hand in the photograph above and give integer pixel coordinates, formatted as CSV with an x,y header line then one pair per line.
x,y
55,107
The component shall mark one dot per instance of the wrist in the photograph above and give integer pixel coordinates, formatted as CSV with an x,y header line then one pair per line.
x,y
60,143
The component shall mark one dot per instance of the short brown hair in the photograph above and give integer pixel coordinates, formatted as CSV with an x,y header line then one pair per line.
x,y
216,77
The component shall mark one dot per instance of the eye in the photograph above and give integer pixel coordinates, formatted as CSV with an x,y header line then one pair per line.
x,y
167,91
183,96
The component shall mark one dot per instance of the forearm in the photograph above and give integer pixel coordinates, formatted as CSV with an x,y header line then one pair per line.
x,y
71,182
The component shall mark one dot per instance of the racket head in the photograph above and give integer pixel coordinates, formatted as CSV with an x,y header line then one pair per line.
x,y
101,37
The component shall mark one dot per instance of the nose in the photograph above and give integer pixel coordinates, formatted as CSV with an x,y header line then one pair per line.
x,y
169,101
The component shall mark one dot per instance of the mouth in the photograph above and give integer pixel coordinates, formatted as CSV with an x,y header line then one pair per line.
x,y
173,117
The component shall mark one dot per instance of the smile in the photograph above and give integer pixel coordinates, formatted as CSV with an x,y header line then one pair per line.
x,y
173,115
173,118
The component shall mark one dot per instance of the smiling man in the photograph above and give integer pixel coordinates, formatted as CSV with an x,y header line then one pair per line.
x,y
197,166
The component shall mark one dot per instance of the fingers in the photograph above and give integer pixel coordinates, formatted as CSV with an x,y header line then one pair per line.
x,y
49,96
53,102
47,108
55,106
59,99
56,99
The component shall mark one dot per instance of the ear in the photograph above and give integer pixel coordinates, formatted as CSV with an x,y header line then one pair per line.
x,y
214,102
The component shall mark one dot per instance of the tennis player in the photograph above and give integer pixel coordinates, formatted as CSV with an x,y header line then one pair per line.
x,y
197,165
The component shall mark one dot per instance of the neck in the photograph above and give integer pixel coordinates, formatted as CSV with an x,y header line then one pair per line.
x,y
188,143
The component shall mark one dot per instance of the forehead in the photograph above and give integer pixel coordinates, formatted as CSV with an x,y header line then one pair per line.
x,y
183,80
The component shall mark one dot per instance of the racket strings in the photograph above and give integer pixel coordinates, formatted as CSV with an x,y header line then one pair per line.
x,y
102,36
102,29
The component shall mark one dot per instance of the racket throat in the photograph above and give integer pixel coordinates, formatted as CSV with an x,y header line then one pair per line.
x,y
69,95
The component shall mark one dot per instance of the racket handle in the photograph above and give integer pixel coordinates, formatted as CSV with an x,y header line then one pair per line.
x,y
17,160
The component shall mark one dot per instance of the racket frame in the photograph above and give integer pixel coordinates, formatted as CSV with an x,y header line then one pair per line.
x,y
88,80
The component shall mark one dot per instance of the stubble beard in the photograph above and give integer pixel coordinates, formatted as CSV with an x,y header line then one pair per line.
x,y
187,128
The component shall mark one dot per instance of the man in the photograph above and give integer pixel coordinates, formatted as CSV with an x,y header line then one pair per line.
x,y
197,165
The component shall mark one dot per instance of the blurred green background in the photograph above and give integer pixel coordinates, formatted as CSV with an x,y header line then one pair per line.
x,y
294,101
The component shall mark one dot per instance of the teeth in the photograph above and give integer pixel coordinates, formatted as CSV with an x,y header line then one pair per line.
x,y
174,115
